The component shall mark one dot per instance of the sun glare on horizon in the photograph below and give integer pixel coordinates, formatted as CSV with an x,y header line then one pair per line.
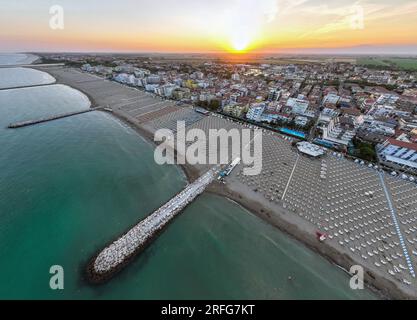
x,y
241,41
240,45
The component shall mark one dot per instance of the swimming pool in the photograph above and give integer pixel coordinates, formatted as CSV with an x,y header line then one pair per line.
x,y
294,133
324,143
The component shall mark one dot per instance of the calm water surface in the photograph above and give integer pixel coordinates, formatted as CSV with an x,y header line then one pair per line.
x,y
17,77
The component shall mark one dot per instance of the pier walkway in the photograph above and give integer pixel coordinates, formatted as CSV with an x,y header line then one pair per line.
x,y
28,86
115,256
43,65
51,118
397,225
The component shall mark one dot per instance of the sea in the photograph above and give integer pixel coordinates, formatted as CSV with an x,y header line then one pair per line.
x,y
71,186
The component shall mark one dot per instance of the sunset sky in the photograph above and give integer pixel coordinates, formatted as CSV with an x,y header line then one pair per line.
x,y
211,25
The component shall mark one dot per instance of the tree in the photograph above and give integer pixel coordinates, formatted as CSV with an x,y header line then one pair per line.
x,y
214,105
364,150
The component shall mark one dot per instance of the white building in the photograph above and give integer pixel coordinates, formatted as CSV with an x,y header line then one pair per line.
x,y
274,95
387,98
127,68
166,90
87,67
131,80
121,78
142,73
331,98
255,112
381,111
153,79
297,106
398,154
301,121
235,77
198,75
378,127
151,87
339,131
310,149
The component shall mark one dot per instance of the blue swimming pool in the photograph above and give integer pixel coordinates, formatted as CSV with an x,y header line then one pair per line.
x,y
323,143
294,133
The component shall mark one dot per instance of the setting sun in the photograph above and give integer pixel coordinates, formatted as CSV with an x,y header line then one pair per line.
x,y
240,43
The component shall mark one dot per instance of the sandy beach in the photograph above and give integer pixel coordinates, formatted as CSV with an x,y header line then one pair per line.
x,y
111,94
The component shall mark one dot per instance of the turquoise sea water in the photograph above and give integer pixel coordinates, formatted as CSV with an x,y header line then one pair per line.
x,y
17,77
70,186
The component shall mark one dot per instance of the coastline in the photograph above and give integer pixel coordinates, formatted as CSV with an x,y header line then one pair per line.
x,y
278,218
290,230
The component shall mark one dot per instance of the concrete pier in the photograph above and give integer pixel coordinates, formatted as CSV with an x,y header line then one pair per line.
x,y
114,257
42,65
28,86
47,119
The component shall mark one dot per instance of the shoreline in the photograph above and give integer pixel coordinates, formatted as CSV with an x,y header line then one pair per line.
x,y
190,173
378,284
310,243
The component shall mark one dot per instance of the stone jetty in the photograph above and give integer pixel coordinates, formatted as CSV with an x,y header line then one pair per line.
x,y
114,257
51,118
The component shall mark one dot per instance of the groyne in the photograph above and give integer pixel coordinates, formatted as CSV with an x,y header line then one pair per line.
x,y
119,253
51,118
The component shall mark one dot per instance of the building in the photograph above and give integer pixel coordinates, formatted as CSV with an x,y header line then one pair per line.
x,y
121,78
283,117
301,121
339,131
398,155
298,106
234,110
331,98
235,77
166,90
255,112
378,127
142,73
87,67
310,149
269,117
153,79
274,95
198,75
387,98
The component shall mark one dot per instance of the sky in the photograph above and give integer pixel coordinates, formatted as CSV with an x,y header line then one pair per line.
x,y
234,26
